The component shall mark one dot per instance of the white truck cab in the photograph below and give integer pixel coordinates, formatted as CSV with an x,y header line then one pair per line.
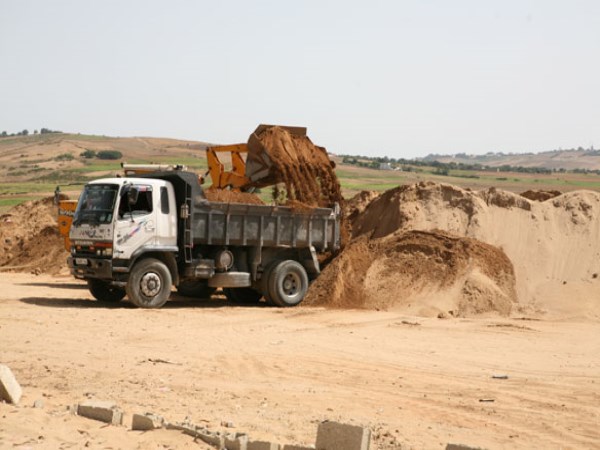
x,y
117,216
116,220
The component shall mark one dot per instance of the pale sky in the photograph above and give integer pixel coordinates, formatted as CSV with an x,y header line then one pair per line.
x,y
396,78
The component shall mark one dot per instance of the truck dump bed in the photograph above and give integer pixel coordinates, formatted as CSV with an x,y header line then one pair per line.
x,y
265,226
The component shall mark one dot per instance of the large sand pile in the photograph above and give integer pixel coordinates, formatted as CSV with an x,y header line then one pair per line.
x,y
29,238
419,272
554,245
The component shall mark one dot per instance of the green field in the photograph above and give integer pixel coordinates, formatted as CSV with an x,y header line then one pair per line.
x,y
354,179
9,202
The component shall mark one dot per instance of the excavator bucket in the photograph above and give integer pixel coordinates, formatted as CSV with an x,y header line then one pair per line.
x,y
260,169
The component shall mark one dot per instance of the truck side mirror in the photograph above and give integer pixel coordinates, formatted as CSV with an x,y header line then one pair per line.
x,y
132,196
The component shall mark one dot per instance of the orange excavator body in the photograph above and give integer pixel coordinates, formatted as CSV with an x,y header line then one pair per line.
x,y
235,178
66,210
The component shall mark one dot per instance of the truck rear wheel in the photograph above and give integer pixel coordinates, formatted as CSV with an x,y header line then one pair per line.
x,y
287,283
149,284
196,289
264,282
104,292
242,295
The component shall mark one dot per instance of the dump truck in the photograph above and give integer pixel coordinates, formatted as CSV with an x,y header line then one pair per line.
x,y
141,234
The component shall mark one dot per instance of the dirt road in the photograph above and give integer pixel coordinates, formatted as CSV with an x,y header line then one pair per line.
x,y
275,373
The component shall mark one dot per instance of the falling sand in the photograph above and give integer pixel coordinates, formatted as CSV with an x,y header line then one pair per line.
x,y
304,168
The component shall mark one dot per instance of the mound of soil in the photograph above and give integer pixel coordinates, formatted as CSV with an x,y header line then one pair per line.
x,y
304,168
554,245
540,196
419,272
227,196
357,204
29,238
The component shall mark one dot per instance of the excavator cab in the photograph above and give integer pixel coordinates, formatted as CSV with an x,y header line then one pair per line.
x,y
235,178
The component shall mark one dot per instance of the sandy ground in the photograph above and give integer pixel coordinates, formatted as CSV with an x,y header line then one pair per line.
x,y
275,373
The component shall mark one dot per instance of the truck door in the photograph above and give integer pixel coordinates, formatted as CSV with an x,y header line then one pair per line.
x,y
166,217
136,220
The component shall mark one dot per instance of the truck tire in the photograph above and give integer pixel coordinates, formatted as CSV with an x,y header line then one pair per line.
x,y
104,292
287,283
149,284
196,289
264,282
242,295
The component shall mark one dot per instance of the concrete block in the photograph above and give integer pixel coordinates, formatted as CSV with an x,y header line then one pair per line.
x,y
103,411
147,421
10,389
181,426
338,436
237,441
262,445
215,439
461,447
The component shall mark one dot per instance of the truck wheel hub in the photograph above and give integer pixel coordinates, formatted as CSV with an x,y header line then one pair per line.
x,y
150,284
291,283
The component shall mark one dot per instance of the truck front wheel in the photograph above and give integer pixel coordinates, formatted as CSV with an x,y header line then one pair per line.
x,y
104,292
149,284
287,283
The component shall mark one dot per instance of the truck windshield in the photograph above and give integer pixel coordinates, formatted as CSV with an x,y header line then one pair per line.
x,y
96,204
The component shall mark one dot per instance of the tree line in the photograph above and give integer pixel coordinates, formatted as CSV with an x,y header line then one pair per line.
x,y
441,168
25,132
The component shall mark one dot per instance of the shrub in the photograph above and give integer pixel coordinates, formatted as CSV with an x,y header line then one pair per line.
x,y
109,154
64,157
88,154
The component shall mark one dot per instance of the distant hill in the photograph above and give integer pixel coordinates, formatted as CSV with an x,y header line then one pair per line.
x,y
58,156
556,159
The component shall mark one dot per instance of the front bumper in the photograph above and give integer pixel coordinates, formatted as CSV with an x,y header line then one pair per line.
x,y
93,267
